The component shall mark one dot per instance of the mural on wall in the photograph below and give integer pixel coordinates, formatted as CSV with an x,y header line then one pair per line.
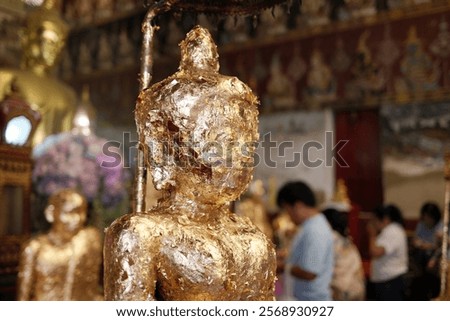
x,y
315,12
361,8
341,60
419,72
383,61
415,138
368,77
418,134
297,67
388,54
440,47
320,81
280,89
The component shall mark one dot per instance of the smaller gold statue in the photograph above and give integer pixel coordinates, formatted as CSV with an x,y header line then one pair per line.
x,y
43,39
252,206
341,201
201,128
63,264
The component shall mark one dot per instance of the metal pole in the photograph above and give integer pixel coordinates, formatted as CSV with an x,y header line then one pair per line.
x,y
444,259
145,78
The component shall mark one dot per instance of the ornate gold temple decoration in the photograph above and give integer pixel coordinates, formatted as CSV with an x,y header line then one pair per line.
x,y
445,271
84,118
17,125
63,264
43,39
200,128
341,194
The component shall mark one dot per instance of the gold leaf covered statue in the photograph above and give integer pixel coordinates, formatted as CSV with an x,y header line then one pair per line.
x,y
63,264
445,257
43,39
200,128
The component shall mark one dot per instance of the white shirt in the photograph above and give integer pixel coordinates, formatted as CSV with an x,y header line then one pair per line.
x,y
394,262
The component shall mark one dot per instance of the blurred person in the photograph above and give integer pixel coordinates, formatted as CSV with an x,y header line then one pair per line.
x,y
428,228
434,267
348,283
425,284
309,266
389,252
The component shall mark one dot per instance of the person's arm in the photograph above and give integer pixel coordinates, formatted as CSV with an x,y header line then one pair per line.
x,y
315,247
300,273
374,249
425,245
419,242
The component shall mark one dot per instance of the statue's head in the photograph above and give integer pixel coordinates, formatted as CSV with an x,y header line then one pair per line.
x,y
67,210
43,37
200,127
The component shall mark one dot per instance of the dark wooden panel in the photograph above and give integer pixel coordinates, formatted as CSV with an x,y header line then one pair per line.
x,y
362,154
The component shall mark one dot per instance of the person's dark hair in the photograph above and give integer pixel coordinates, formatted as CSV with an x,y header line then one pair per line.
x,y
338,220
432,210
390,211
293,192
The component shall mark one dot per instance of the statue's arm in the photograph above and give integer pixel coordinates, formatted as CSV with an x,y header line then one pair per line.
x,y
26,276
130,268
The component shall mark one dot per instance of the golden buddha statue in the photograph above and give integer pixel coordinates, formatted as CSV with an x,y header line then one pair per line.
x,y
200,128
43,39
63,264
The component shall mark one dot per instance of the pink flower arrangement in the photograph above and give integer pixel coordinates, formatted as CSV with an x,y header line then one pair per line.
x,y
77,161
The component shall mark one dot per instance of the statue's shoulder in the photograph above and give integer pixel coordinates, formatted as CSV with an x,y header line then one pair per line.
x,y
7,73
33,244
135,232
91,232
121,222
62,89
35,87
134,223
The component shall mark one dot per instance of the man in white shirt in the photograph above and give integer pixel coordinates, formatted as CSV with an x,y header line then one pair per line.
x,y
389,252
